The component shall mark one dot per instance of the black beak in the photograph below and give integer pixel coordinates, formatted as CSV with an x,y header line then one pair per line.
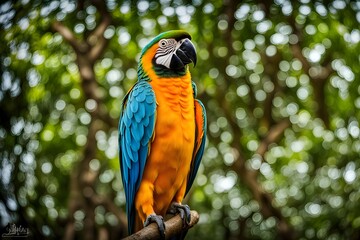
x,y
184,55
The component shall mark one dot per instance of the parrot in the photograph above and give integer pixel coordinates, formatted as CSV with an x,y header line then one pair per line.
x,y
162,133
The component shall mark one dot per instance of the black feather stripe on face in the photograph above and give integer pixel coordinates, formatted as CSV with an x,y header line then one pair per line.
x,y
166,46
165,51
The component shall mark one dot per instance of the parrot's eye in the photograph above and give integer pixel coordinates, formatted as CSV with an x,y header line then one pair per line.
x,y
162,42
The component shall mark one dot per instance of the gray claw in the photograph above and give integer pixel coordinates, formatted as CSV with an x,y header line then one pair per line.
x,y
183,210
152,218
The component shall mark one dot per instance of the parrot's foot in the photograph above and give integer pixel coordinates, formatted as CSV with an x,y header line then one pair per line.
x,y
153,218
183,210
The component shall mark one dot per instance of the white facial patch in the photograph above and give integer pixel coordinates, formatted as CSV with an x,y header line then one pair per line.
x,y
166,49
164,60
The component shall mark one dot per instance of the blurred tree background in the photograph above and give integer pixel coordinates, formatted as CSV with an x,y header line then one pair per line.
x,y
280,81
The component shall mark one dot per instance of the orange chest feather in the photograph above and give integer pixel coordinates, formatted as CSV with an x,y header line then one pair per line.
x,y
175,107
173,145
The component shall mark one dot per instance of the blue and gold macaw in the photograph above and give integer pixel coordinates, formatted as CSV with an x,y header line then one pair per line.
x,y
162,132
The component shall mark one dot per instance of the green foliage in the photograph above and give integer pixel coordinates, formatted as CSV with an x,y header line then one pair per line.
x,y
260,66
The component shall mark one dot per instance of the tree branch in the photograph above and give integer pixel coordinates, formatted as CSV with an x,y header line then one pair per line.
x,y
319,79
97,39
249,177
88,51
271,69
173,226
68,36
272,136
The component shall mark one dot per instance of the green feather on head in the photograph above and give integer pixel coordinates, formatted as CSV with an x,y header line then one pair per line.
x,y
176,34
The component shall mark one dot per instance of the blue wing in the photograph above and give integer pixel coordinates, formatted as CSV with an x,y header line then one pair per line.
x,y
200,139
136,128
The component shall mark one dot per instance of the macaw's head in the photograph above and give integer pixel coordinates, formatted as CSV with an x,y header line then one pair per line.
x,y
168,54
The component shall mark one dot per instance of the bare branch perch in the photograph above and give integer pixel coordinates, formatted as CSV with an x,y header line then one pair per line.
x,y
173,226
